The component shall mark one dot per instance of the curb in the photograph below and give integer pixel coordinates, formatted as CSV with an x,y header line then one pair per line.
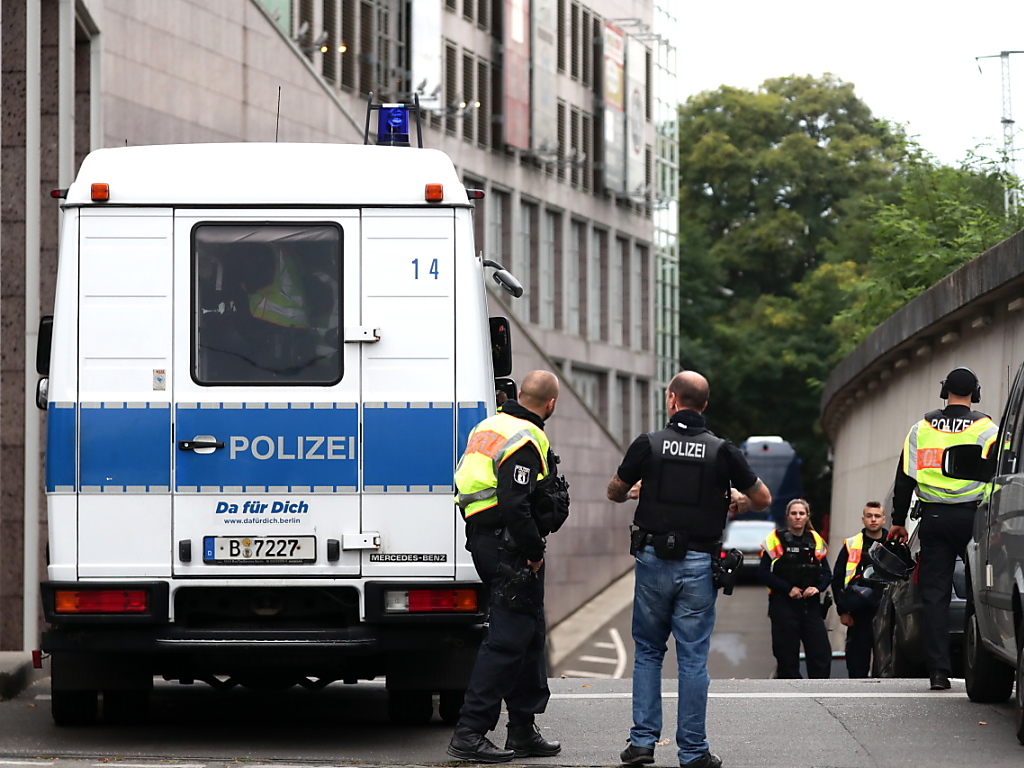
x,y
16,673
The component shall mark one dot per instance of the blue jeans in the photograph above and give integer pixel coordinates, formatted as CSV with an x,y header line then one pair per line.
x,y
677,597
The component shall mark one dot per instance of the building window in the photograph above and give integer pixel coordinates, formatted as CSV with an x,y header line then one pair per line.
x,y
574,268
525,262
561,139
560,11
329,62
636,298
349,59
451,85
574,146
589,386
574,41
469,97
595,310
587,69
620,305
546,277
483,95
620,426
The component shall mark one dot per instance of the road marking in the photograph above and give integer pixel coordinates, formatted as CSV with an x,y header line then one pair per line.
x,y
602,644
27,762
770,695
581,673
43,697
620,652
599,659
119,764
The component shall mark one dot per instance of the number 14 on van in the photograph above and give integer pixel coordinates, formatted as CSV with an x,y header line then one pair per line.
x,y
432,271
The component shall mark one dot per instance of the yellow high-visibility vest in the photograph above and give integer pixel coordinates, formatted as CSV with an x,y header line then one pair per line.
x,y
492,441
854,552
773,546
922,460
283,302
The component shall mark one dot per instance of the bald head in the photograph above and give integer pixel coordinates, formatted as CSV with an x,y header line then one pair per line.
x,y
688,389
539,393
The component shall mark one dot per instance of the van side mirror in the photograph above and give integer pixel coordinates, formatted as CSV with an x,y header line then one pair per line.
x,y
504,278
43,342
43,394
507,387
964,462
501,347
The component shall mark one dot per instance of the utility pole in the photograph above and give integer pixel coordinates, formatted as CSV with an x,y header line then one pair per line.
x,y
1009,199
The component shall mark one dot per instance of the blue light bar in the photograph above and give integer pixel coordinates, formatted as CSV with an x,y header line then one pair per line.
x,y
393,125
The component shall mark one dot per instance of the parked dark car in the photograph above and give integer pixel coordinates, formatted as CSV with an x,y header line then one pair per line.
x,y
899,644
747,535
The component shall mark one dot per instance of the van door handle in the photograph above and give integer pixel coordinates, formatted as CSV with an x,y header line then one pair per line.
x,y
199,445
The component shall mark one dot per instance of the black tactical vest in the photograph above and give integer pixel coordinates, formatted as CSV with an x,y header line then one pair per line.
x,y
797,565
683,491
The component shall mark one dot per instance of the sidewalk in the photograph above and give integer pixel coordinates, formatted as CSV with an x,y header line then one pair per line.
x,y
16,673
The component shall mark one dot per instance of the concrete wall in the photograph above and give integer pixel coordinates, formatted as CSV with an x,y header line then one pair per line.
x,y
974,318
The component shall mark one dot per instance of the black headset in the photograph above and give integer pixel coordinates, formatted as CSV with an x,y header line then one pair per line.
x,y
975,395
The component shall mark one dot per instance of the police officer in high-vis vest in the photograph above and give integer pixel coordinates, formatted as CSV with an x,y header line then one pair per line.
x,y
947,505
688,479
506,457
794,568
856,602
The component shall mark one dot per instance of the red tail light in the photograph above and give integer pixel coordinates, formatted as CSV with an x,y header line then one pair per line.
x,y
102,601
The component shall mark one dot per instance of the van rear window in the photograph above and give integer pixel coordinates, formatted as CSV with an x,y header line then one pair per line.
x,y
266,304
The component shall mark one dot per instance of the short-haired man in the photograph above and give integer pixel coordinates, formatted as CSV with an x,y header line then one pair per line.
x,y
506,456
856,604
689,477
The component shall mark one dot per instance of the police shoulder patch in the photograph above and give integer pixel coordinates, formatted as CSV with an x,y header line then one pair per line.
x,y
521,474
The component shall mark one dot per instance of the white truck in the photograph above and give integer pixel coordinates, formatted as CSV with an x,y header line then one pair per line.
x,y
262,366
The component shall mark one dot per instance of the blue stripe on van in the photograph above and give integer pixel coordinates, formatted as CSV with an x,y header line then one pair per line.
x,y
269,447
125,446
408,447
61,439
470,414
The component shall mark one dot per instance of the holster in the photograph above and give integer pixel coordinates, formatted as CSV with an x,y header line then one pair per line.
x,y
672,545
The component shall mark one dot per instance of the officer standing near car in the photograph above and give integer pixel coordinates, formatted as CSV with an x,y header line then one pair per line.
x,y
684,501
856,603
507,458
947,505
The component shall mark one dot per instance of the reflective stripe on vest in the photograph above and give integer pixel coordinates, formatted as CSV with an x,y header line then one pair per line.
x,y
283,301
854,552
922,460
773,546
489,444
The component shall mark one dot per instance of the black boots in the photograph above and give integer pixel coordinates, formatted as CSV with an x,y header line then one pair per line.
x,y
526,741
939,680
476,748
634,755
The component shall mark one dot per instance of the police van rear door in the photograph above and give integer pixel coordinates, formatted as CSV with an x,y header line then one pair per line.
x,y
265,394
408,377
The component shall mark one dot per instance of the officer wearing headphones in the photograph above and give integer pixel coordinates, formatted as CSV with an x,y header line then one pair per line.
x,y
947,505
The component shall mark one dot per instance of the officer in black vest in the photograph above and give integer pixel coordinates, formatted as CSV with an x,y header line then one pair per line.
x,y
687,476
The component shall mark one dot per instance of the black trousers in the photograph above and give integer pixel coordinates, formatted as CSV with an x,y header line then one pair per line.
x,y
511,663
945,531
860,642
793,621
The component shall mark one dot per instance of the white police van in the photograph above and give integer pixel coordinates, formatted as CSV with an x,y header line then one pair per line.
x,y
263,364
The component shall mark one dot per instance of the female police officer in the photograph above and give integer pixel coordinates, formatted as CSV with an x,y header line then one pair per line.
x,y
794,568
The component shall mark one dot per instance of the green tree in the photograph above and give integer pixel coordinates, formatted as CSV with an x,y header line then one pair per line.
x,y
941,218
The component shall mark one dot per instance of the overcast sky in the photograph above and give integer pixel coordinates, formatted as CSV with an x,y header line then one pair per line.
x,y
911,61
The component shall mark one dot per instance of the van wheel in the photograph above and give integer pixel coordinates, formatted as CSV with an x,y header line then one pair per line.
x,y
410,707
125,707
73,707
988,679
449,706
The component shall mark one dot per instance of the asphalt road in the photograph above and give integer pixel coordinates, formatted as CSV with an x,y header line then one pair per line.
x,y
740,645
791,723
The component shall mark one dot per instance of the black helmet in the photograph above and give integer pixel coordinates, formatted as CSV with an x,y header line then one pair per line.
x,y
861,595
889,561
